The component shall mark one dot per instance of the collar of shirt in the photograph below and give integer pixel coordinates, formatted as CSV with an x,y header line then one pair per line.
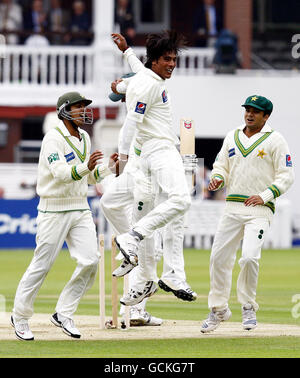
x,y
265,129
66,132
153,74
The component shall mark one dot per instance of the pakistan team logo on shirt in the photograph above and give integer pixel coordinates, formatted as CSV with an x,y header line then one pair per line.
x,y
53,157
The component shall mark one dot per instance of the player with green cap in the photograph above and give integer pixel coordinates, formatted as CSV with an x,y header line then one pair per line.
x,y
259,102
256,167
65,169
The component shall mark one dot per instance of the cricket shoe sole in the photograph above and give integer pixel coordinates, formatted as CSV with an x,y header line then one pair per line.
x,y
186,294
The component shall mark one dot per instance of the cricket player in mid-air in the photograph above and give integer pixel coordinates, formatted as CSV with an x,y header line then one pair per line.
x,y
160,164
65,169
255,165
117,203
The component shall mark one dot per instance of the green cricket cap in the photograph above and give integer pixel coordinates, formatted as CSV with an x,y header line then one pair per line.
x,y
259,102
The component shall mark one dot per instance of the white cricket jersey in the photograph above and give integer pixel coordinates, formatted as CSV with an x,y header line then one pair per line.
x,y
63,174
149,105
259,165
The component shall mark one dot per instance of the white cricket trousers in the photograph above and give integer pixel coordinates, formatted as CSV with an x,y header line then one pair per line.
x,y
77,228
231,230
116,202
163,174
163,169
173,264
117,205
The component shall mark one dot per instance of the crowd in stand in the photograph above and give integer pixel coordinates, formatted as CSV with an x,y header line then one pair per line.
x,y
62,22
57,22
20,20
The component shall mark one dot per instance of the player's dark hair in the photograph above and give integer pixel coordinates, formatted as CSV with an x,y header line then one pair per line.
x,y
159,44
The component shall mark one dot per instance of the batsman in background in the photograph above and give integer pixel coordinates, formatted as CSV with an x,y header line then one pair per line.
x,y
65,169
149,111
255,165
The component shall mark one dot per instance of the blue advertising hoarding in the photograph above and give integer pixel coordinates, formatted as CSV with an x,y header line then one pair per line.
x,y
18,223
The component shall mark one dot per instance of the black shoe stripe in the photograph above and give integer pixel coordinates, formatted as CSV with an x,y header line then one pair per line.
x,y
70,334
21,338
55,321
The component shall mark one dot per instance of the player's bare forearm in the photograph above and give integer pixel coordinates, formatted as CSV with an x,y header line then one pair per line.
x,y
214,185
120,41
254,201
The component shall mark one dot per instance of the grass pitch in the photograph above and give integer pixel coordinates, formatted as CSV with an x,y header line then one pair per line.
x,y
278,283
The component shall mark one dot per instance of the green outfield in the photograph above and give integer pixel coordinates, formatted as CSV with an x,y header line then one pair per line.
x,y
278,283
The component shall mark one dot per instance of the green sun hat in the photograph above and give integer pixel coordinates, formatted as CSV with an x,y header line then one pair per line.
x,y
259,102
71,98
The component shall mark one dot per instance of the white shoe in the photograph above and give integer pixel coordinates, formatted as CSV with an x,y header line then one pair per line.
x,y
66,324
136,317
152,320
249,317
135,296
180,289
139,317
128,246
214,319
123,269
22,329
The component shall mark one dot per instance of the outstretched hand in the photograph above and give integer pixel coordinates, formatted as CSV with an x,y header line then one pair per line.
x,y
113,164
214,185
120,41
113,159
95,156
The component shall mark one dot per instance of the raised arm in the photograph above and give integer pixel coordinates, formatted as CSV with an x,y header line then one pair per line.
x,y
135,64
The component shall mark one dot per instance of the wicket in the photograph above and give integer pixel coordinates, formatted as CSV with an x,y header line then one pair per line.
x,y
114,288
